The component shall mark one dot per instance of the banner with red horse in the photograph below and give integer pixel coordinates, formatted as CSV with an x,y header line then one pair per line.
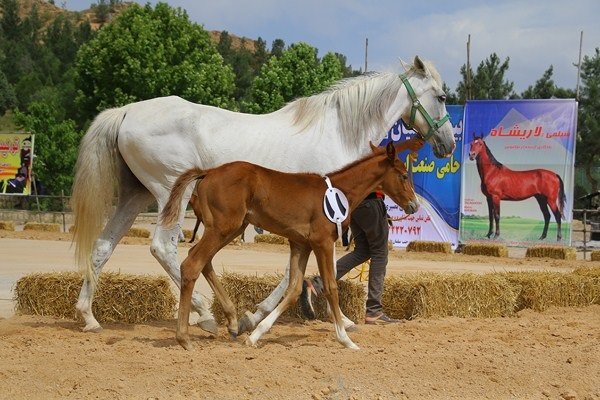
x,y
517,175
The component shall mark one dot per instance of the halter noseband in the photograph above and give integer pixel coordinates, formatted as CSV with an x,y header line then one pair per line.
x,y
434,125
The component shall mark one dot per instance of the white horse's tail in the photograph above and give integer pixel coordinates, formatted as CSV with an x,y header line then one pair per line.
x,y
96,179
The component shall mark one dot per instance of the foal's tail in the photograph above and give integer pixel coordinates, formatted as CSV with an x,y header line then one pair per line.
x,y
96,179
170,213
561,197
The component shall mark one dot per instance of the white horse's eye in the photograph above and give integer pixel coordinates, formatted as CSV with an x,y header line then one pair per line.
x,y
442,98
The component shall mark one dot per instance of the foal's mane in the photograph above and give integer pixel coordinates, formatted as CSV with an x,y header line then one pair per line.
x,y
378,151
361,104
493,160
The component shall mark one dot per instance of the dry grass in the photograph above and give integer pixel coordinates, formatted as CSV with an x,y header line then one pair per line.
x,y
556,252
481,249
7,225
429,246
120,297
247,291
38,226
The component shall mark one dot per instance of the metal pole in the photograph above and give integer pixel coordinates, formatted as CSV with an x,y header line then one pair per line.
x,y
468,94
62,201
366,52
579,68
584,233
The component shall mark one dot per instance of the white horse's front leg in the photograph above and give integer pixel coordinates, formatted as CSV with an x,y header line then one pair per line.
x,y
249,321
164,249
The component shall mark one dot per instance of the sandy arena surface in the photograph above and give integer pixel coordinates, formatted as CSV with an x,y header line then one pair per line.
x,y
549,355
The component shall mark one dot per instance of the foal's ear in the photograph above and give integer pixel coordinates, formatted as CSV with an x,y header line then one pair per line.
x,y
373,148
390,151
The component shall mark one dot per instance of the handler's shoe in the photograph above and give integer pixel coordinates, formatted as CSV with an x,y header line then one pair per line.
x,y
381,319
311,287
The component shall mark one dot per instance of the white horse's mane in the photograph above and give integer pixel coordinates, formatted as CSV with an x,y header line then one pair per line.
x,y
361,103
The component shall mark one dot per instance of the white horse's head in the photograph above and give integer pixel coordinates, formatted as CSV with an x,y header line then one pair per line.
x,y
425,110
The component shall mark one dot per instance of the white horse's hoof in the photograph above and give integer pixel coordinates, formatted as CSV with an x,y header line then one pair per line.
x,y
209,325
248,342
92,328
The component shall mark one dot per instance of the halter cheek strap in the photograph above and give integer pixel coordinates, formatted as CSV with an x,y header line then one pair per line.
x,y
434,125
335,206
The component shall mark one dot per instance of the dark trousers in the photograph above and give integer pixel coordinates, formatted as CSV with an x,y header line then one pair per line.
x,y
370,230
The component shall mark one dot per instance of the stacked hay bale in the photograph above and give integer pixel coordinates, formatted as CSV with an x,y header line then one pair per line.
x,y
437,295
540,290
486,249
429,246
38,226
119,298
247,291
270,238
595,255
556,252
7,225
138,232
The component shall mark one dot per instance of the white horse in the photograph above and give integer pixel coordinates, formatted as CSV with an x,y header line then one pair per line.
x,y
141,149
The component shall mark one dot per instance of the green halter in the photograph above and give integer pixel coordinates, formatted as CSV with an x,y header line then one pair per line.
x,y
434,125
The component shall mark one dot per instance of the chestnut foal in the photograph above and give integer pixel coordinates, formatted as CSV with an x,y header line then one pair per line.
x,y
288,204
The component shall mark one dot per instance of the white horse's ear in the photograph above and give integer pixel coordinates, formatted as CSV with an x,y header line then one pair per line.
x,y
420,66
404,65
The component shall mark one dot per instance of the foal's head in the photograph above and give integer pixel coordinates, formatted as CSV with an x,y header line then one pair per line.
x,y
397,184
477,146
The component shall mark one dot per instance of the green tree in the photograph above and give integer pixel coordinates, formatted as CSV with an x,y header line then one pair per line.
x,y
488,83
451,97
277,47
545,88
588,146
55,145
298,72
146,53
7,95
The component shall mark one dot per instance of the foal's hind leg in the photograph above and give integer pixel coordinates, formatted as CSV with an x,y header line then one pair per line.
x,y
543,203
133,199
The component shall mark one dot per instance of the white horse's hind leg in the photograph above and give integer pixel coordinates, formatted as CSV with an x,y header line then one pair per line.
x,y
164,249
132,202
249,321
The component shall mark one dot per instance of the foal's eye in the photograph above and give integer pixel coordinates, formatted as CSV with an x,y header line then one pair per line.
x,y
404,177
442,98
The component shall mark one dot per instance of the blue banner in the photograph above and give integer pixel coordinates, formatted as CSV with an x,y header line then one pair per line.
x,y
437,183
517,178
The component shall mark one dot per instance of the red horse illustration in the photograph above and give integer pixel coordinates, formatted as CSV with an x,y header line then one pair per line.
x,y
501,183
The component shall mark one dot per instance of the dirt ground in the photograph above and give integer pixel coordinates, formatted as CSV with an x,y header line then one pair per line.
x,y
554,354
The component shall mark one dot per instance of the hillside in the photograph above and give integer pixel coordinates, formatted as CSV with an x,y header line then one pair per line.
x,y
48,12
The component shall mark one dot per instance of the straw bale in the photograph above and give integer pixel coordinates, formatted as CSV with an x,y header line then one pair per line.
x,y
486,249
187,234
556,252
7,225
429,246
138,232
246,291
461,295
540,289
595,255
270,238
592,272
37,226
119,298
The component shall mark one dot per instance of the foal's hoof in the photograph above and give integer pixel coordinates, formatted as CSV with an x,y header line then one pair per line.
x,y
246,324
232,334
185,343
209,325
351,328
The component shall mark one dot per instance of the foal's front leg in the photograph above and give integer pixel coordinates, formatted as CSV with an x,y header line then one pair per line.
x,y
298,258
324,255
